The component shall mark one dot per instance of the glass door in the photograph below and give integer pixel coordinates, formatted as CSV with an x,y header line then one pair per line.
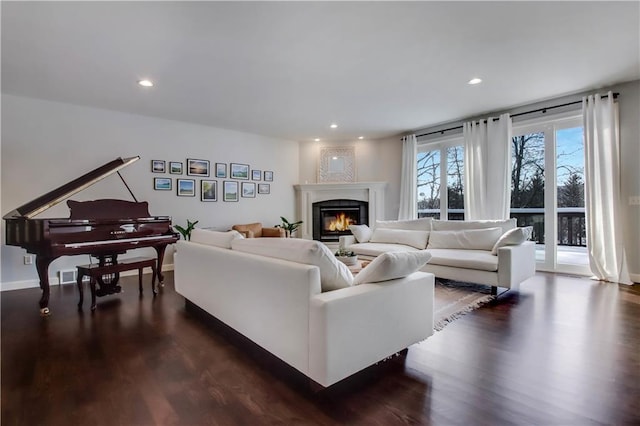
x,y
547,191
571,249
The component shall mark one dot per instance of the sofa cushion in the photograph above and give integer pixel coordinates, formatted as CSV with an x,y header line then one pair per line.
x,y
460,225
422,224
214,238
417,239
390,266
361,232
333,273
472,239
481,260
512,237
376,249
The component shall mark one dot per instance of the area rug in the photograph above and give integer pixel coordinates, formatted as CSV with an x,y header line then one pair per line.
x,y
454,299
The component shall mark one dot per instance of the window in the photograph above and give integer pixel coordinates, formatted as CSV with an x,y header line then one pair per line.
x,y
440,172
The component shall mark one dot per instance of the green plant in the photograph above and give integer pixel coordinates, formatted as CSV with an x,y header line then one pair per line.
x,y
291,227
343,252
186,232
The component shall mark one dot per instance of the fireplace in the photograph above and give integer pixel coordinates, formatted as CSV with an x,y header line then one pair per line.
x,y
332,218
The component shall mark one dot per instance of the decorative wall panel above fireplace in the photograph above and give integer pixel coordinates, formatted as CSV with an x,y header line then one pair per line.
x,y
337,164
371,193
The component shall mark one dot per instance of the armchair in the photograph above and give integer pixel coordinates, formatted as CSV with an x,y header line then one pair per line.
x,y
256,230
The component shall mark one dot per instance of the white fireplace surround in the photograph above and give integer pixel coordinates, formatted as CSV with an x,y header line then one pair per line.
x,y
307,194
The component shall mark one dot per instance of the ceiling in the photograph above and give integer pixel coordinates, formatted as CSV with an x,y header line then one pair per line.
x,y
289,69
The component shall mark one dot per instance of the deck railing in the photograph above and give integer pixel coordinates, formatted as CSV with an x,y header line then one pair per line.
x,y
571,223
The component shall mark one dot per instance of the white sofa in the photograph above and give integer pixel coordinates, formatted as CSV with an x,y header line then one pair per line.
x,y
461,250
279,304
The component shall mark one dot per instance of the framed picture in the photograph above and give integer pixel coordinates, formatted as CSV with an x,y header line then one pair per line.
x,y
248,190
239,171
221,170
197,167
268,176
186,187
157,166
256,174
162,184
264,188
230,191
175,167
208,190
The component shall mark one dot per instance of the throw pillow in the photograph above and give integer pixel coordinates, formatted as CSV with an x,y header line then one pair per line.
x,y
333,273
513,237
214,238
392,265
417,239
361,232
472,239
422,224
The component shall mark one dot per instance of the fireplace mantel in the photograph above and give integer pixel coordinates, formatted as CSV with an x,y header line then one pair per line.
x,y
309,193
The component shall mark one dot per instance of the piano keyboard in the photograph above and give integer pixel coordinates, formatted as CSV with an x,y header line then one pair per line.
x,y
116,241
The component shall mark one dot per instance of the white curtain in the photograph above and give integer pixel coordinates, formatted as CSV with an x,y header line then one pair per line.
x,y
487,168
602,189
408,180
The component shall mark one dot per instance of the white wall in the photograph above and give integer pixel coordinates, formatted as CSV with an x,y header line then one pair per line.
x,y
46,144
629,107
376,161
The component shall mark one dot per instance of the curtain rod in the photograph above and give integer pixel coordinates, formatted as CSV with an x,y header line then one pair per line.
x,y
542,110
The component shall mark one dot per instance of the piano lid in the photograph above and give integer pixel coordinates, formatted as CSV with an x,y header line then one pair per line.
x,y
50,199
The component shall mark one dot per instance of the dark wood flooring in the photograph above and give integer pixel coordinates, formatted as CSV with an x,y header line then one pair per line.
x,y
562,351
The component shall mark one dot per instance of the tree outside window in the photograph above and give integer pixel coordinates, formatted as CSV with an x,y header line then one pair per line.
x,y
432,202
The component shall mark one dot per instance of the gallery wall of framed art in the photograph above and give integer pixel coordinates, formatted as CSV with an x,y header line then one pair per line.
x,y
239,180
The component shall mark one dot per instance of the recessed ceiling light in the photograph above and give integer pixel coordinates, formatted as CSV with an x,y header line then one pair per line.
x,y
317,139
334,126
145,83
360,137
475,81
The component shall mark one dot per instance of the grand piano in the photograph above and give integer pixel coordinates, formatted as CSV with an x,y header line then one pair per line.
x,y
102,228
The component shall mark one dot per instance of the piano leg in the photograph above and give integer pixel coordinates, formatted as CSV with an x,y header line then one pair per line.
x,y
160,250
42,265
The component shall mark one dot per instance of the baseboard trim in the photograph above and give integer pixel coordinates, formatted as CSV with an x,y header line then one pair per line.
x,y
21,285
635,278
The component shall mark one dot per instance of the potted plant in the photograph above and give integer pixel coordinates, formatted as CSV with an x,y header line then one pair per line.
x,y
289,227
346,256
186,232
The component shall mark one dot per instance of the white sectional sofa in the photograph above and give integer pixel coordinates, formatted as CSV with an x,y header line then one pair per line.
x,y
271,291
494,253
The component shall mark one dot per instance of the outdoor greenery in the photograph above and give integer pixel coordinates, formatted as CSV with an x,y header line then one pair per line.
x,y
527,176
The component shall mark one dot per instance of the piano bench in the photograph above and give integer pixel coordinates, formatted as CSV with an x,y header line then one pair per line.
x,y
94,271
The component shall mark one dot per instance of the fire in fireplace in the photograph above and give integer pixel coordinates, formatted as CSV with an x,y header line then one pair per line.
x,y
340,221
332,218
